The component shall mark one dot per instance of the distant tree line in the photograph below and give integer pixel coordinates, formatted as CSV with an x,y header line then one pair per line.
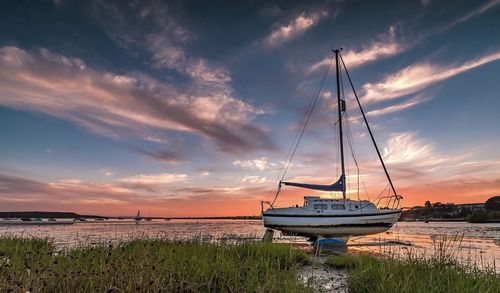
x,y
493,203
489,212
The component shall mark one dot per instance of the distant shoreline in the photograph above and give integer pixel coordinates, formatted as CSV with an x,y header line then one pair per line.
x,y
72,215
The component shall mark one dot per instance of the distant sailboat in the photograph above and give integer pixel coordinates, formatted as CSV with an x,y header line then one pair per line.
x,y
341,218
138,217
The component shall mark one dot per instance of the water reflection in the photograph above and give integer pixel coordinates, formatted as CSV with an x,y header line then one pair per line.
x,y
476,243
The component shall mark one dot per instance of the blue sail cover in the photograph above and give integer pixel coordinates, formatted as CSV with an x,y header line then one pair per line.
x,y
337,186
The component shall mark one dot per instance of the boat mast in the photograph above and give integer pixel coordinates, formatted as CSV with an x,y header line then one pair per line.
x,y
341,108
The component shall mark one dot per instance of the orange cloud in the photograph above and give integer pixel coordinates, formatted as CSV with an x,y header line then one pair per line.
x,y
159,194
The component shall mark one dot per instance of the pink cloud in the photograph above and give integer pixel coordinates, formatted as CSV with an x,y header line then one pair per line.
x,y
117,105
385,46
417,77
294,28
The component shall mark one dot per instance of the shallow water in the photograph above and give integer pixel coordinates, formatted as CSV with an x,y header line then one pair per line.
x,y
477,242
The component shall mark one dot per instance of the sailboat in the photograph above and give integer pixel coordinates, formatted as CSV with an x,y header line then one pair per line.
x,y
334,218
138,218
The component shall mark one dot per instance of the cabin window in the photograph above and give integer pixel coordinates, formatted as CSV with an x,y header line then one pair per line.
x,y
320,206
338,207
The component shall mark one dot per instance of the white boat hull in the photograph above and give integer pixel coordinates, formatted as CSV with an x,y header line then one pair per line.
x,y
353,224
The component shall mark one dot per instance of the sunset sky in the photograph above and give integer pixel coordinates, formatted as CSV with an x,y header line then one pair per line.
x,y
188,108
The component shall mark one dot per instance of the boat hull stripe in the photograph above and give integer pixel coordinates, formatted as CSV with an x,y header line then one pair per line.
x,y
329,216
329,226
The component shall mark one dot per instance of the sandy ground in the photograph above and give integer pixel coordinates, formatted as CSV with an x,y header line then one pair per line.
x,y
323,277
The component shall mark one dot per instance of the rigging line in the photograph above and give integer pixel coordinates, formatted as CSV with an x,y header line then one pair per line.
x,y
364,187
353,150
381,193
307,121
350,143
383,190
286,159
344,114
349,133
305,126
351,146
294,141
335,154
353,153
369,130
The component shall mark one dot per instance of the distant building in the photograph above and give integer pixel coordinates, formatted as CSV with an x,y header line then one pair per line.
x,y
472,207
417,208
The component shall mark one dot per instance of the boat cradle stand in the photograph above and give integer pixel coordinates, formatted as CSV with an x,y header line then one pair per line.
x,y
268,236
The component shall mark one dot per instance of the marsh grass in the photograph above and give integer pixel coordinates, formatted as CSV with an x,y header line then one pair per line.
x,y
406,270
342,261
418,275
149,265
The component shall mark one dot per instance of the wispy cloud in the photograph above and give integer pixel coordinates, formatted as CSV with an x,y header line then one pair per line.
x,y
260,164
479,10
411,157
418,99
406,147
385,46
254,179
388,44
223,193
376,50
151,182
425,2
106,172
162,178
150,192
117,105
17,190
163,156
69,190
294,28
417,77
419,168
154,27
158,28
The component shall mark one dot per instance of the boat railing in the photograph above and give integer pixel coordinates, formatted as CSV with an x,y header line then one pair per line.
x,y
391,201
264,202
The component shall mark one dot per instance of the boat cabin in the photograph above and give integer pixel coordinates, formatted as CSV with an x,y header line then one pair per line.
x,y
319,203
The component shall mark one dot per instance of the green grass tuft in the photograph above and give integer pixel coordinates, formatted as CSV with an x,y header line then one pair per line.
x,y
341,261
370,274
150,265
